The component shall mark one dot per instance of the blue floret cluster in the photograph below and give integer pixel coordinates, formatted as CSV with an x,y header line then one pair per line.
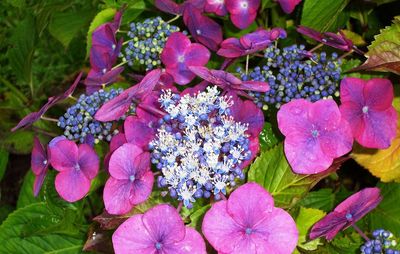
x,y
382,243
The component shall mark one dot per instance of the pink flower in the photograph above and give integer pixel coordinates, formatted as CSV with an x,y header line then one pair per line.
x,y
249,223
316,133
179,53
131,180
139,131
288,5
347,213
39,165
116,141
159,230
77,165
367,106
243,12
216,6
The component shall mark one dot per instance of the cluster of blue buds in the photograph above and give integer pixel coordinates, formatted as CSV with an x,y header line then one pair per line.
x,y
381,244
199,147
78,121
147,40
294,73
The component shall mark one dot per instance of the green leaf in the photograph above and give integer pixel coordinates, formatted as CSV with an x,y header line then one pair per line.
x,y
134,9
267,137
272,171
3,162
25,196
384,52
65,26
305,220
196,218
101,18
322,15
322,199
341,244
24,231
20,142
387,214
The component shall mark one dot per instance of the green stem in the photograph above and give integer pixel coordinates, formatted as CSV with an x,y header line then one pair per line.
x,y
49,119
247,64
120,64
173,19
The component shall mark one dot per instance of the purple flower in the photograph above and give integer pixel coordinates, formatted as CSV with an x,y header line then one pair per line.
x,y
34,116
216,6
97,79
288,5
243,12
159,230
250,43
249,223
367,106
203,29
139,131
347,213
179,53
39,165
315,134
228,82
117,107
131,180
77,165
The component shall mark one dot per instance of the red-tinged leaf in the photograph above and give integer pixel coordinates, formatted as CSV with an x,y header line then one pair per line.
x,y
98,240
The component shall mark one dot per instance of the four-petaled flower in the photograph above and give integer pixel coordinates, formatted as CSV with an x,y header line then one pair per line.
x,y
179,53
131,180
347,213
249,223
77,165
367,106
243,12
159,230
315,134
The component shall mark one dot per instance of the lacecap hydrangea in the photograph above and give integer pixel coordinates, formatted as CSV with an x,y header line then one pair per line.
x,y
199,147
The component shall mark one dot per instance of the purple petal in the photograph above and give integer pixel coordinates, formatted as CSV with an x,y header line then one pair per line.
x,y
64,155
142,187
221,231
72,88
309,32
96,80
231,48
194,90
146,85
114,108
132,237
37,184
197,55
328,226
193,243
88,161
27,120
121,164
292,117
174,50
257,86
216,6
243,6
239,111
138,132
72,185
39,160
116,196
168,6
249,204
378,94
164,223
288,5
243,20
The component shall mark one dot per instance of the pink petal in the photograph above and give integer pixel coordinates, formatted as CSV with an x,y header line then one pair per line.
x,y
177,42
197,55
121,164
182,75
72,185
193,243
64,155
249,204
164,224
142,188
216,6
114,108
352,90
240,110
117,141
116,196
257,86
132,237
88,161
39,160
167,6
288,5
37,184
219,228
138,132
292,117
231,48
242,6
378,94
329,226
336,143
243,20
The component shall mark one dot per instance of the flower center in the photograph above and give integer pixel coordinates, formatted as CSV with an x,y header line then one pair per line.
x,y
314,133
77,167
198,31
181,59
158,245
45,162
244,5
365,109
132,178
248,231
349,216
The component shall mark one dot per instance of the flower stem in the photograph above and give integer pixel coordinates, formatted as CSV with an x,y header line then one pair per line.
x,y
173,19
120,64
49,119
316,47
72,97
247,64
360,232
346,54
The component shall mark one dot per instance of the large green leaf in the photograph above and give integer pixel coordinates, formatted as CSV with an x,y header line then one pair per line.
x,y
267,137
272,171
19,142
322,15
305,220
25,196
25,231
322,199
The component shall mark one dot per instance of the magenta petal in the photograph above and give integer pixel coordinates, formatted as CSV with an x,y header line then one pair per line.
x,y
88,161
193,243
39,160
64,155
72,185
329,226
243,20
242,6
121,164
114,108
116,196
378,93
216,6
352,90
37,184
292,117
309,32
117,141
337,142
132,237
257,86
231,48
288,5
182,75
168,6
146,85
221,231
142,188
240,110
164,223
259,204
138,132
27,120
197,55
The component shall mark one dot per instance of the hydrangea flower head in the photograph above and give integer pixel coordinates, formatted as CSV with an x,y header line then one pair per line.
x,y
39,164
346,213
179,53
216,6
199,147
243,12
77,166
158,230
367,106
288,5
250,43
131,180
315,134
249,223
